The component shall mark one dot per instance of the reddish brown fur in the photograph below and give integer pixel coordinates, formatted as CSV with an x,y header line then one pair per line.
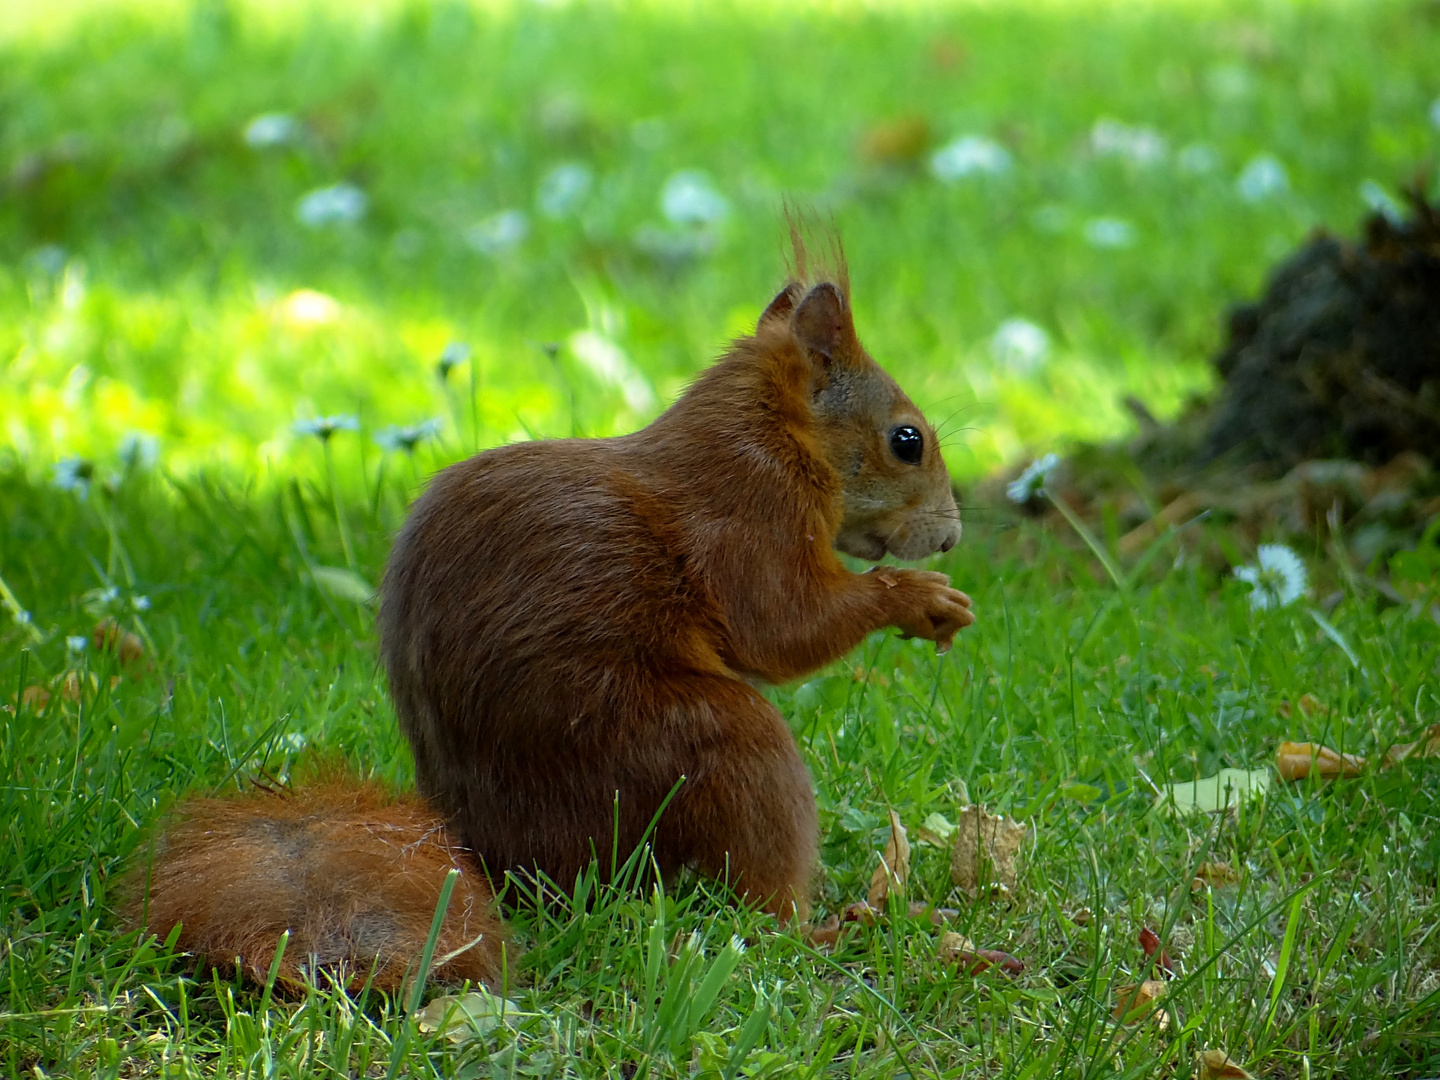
x,y
573,622
570,628
353,872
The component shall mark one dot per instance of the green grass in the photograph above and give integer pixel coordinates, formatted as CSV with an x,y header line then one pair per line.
x,y
1062,707
162,311
146,250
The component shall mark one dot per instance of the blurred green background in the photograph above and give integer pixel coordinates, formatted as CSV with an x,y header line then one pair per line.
x,y
220,218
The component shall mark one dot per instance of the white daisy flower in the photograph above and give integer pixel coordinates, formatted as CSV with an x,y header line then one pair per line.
x,y
1140,145
76,643
341,204
1278,579
271,129
140,603
452,356
1029,483
1262,178
969,155
1197,158
1109,232
563,189
139,450
1378,199
499,233
74,474
322,427
407,438
689,198
1020,346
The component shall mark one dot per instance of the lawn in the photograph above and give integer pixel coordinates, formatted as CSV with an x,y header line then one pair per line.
x,y
535,220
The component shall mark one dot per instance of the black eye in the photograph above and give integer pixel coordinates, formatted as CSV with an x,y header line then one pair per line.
x,y
907,444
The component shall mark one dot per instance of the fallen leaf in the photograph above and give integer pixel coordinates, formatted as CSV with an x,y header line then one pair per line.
x,y
956,948
344,584
1294,761
863,674
951,945
110,637
826,934
1428,745
985,851
935,830
1213,875
37,697
1213,794
900,141
69,684
1150,942
937,916
1216,1065
463,1017
1135,1001
894,869
860,912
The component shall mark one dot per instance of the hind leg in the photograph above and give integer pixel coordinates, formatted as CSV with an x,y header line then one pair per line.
x,y
746,813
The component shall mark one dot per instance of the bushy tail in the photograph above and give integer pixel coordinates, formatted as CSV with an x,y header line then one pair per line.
x,y
351,870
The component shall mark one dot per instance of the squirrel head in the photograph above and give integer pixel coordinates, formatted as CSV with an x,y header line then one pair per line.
x,y
896,491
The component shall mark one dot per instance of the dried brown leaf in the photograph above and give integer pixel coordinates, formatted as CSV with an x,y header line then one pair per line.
x,y
1150,942
1295,761
860,912
937,916
1133,1002
1213,875
1216,1065
894,869
826,934
1428,745
37,697
951,945
110,636
986,847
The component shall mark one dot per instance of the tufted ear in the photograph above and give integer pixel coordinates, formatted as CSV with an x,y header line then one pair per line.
x,y
783,304
822,321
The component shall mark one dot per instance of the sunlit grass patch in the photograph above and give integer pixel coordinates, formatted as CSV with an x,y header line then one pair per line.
x,y
609,182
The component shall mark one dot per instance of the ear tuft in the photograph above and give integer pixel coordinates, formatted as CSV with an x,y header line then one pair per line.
x,y
822,322
783,304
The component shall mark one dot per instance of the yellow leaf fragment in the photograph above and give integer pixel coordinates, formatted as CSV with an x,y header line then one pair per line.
x,y
986,847
1214,794
1295,761
951,945
894,869
109,636
463,1017
1135,1001
1428,745
1214,875
1216,1065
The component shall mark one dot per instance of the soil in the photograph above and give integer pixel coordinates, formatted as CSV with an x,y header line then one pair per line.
x,y
1326,420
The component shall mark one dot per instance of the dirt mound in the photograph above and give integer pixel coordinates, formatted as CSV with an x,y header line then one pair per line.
x,y
1327,417
1341,357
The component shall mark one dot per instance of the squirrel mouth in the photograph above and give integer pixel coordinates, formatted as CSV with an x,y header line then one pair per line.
x,y
865,546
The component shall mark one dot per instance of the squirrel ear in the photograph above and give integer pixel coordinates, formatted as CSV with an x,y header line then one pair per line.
x,y
783,304
822,322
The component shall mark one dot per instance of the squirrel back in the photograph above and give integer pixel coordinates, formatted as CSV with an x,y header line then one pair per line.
x,y
572,629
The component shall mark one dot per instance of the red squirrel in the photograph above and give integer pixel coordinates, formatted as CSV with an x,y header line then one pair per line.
x,y
571,629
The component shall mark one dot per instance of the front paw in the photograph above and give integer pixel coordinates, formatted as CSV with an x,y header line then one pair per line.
x,y
924,605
